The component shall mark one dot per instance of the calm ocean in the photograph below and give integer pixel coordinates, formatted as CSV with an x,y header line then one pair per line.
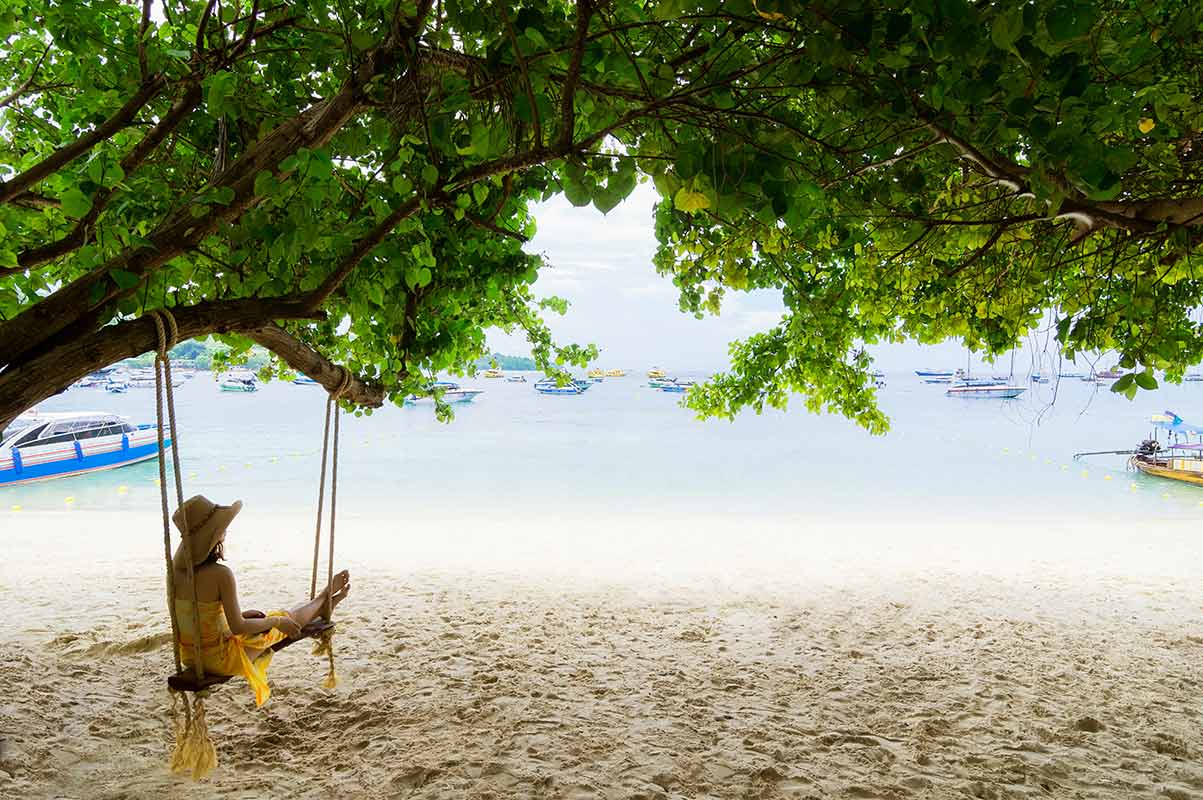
x,y
624,448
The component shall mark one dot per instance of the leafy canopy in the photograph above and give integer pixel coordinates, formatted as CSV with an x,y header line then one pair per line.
x,y
351,182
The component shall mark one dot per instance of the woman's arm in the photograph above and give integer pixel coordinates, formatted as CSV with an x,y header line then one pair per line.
x,y
228,594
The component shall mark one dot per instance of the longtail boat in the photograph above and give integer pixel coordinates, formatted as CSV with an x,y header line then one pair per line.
x,y
1180,459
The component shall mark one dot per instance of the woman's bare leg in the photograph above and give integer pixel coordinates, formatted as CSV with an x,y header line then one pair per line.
x,y
309,611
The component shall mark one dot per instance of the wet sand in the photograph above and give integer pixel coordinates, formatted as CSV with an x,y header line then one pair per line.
x,y
628,658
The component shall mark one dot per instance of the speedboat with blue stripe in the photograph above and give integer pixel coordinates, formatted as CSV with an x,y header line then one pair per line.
x,y
43,446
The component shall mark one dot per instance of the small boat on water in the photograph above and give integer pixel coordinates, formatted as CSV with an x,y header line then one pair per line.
x,y
985,391
43,446
239,382
304,380
515,379
935,373
1071,375
678,387
493,373
656,372
616,373
596,372
449,391
449,396
660,383
550,386
1180,460
1193,377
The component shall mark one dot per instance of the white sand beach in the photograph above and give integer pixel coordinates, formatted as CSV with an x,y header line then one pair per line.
x,y
627,657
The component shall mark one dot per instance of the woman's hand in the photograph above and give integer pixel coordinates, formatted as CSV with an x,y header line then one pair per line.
x,y
287,624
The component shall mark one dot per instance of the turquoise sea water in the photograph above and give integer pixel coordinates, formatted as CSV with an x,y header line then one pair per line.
x,y
622,447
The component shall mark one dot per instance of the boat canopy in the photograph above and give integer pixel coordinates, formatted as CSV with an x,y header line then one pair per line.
x,y
1169,421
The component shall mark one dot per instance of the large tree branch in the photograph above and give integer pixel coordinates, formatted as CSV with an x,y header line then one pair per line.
x,y
79,235
16,94
54,371
76,305
360,251
305,359
68,153
584,10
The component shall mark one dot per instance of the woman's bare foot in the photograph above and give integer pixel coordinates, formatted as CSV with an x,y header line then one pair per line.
x,y
339,587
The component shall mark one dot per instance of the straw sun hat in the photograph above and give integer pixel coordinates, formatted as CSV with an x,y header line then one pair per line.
x,y
206,522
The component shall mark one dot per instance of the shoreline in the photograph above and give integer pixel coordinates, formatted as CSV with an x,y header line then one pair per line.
x,y
511,661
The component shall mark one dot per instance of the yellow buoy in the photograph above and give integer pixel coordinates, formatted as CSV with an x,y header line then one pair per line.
x,y
16,508
68,500
191,474
122,490
1085,473
1106,477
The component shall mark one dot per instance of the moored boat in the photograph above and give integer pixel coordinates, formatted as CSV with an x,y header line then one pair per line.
x,y
596,372
550,386
239,382
985,391
660,383
678,387
449,396
616,373
656,372
934,373
493,373
304,380
515,379
43,446
1180,460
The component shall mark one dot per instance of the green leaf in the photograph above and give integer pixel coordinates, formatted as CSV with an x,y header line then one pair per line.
x,y
402,185
1006,28
430,174
1145,380
75,203
690,201
124,279
1121,385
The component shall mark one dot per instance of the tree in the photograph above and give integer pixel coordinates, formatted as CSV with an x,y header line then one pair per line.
x,y
350,182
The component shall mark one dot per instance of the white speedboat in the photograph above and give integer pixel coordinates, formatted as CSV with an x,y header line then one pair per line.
x,y
241,381
42,446
980,391
449,391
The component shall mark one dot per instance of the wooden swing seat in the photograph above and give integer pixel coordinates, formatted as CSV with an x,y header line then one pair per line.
x,y
186,681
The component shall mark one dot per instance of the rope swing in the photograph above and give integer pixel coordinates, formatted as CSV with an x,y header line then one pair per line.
x,y
194,752
325,645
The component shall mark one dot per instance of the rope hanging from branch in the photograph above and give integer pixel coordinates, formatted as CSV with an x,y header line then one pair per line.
x,y
194,751
325,645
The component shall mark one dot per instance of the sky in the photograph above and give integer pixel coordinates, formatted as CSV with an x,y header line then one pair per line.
x,y
602,264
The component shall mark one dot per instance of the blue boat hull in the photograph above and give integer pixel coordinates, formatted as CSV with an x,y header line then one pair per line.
x,y
20,472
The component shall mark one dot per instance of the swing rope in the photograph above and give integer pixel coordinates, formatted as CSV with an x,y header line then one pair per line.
x,y
194,751
325,645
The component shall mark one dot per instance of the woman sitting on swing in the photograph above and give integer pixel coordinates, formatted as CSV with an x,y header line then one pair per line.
x,y
233,641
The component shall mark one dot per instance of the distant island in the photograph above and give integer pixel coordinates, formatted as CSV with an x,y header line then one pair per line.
x,y
499,361
201,355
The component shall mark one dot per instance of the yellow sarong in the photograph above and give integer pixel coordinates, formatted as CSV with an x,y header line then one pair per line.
x,y
225,652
